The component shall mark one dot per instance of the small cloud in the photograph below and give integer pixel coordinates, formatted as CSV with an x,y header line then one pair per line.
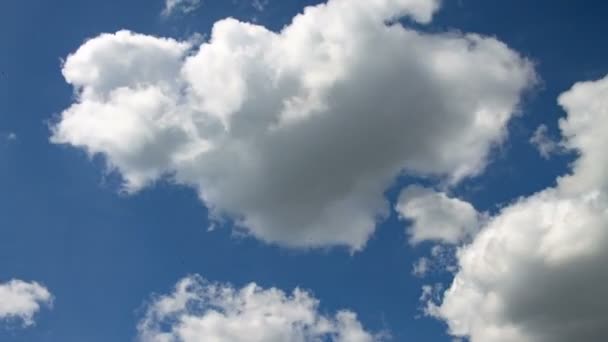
x,y
421,267
182,6
430,296
434,216
7,137
431,292
442,259
260,5
545,145
197,39
20,300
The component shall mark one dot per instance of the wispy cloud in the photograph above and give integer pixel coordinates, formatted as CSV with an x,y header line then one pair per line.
x,y
180,6
260,5
543,142
7,137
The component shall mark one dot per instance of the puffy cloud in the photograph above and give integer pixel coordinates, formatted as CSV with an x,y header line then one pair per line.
x,y
202,311
541,140
21,300
437,217
183,6
295,135
537,271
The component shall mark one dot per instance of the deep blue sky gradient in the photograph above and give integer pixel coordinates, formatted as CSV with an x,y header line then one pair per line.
x,y
102,254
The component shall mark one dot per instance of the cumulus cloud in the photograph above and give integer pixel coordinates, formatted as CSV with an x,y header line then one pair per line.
x,y
201,311
180,6
537,271
436,217
20,300
295,135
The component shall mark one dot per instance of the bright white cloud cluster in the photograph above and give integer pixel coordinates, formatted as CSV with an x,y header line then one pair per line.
x,y
182,6
202,311
537,271
20,300
437,217
295,135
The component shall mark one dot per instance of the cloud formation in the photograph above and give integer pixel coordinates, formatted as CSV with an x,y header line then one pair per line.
x,y
437,217
537,271
20,300
543,143
295,135
442,259
202,311
181,6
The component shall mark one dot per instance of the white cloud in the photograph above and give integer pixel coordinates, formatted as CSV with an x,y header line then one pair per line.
x,y
541,140
437,217
537,271
181,6
202,311
295,135
20,300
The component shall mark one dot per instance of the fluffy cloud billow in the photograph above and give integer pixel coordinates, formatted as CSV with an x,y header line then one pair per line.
x,y
537,271
201,311
295,135
20,300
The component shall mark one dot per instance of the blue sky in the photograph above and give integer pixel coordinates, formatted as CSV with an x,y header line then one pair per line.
x,y
66,223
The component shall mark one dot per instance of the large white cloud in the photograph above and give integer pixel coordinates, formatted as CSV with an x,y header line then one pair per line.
x,y
202,311
537,272
21,300
296,134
